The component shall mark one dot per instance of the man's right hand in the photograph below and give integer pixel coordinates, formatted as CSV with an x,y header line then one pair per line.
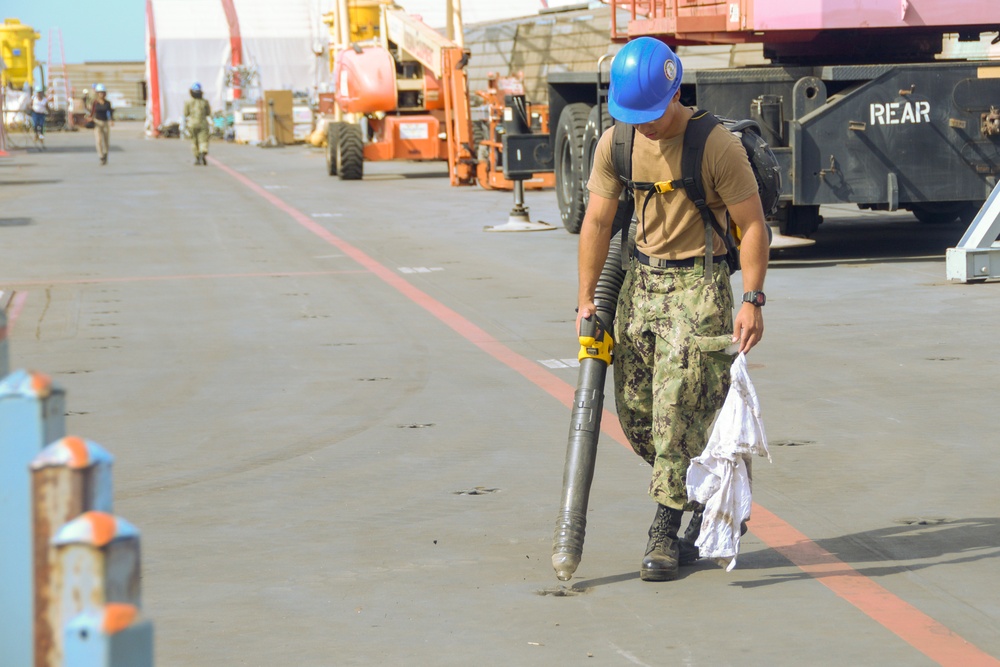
x,y
585,310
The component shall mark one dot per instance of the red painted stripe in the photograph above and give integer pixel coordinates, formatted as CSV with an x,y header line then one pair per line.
x,y
235,40
193,276
154,72
911,625
16,306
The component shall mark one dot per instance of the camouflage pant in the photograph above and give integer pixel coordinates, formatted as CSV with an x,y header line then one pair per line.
x,y
199,139
671,375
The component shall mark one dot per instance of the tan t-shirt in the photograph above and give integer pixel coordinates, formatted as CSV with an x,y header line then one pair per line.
x,y
673,227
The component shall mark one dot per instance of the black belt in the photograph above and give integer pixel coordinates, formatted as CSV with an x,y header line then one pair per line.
x,y
657,263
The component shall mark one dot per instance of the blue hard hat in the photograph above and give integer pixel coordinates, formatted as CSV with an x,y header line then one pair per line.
x,y
645,76
39,88
99,88
196,87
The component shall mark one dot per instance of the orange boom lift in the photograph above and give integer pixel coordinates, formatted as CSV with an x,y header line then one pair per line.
x,y
400,90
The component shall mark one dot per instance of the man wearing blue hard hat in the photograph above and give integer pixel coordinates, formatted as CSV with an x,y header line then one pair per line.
x,y
197,122
670,375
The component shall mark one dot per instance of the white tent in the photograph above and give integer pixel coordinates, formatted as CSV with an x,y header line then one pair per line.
x,y
197,40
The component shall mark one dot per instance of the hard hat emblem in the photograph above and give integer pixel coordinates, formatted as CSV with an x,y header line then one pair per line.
x,y
670,70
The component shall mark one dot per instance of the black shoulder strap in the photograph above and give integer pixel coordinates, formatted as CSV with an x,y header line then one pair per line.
x,y
622,140
695,138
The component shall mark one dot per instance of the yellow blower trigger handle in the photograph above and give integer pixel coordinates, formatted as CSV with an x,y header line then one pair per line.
x,y
595,342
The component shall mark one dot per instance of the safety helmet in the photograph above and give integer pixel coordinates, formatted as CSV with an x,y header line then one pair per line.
x,y
196,87
99,88
645,76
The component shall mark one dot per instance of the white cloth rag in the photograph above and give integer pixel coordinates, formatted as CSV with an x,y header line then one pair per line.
x,y
720,477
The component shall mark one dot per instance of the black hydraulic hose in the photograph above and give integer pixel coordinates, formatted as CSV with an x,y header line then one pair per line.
x,y
585,421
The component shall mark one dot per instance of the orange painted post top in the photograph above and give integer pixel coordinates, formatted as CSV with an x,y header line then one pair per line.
x,y
96,529
118,616
27,384
72,452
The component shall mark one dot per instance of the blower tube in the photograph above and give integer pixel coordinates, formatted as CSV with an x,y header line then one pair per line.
x,y
585,421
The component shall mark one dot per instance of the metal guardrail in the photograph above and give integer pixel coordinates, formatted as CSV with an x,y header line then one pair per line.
x,y
69,569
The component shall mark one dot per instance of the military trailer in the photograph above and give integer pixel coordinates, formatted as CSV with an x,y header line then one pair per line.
x,y
857,104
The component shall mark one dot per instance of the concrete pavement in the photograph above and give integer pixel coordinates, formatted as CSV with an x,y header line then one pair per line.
x,y
331,407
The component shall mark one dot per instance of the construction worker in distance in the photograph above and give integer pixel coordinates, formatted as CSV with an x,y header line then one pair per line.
x,y
40,108
102,114
667,388
197,120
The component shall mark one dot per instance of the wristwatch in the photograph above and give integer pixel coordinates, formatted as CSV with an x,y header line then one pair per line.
x,y
756,298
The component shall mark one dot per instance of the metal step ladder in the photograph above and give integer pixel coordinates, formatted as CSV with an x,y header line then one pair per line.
x,y
59,87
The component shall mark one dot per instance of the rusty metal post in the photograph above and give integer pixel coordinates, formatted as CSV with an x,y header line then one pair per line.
x,y
111,636
97,563
69,477
32,414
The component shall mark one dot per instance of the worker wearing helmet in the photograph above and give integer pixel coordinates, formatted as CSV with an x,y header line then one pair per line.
x,y
40,108
102,114
668,383
197,119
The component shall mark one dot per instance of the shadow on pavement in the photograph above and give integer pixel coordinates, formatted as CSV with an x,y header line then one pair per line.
x,y
80,149
35,182
891,239
584,585
965,540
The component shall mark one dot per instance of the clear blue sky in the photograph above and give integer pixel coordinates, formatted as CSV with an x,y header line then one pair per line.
x,y
91,30
116,29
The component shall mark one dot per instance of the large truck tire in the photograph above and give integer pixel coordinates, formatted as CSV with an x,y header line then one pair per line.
x,y
350,152
798,220
570,183
591,135
946,212
332,139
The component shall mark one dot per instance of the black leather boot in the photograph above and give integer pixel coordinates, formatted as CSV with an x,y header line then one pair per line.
x,y
662,557
688,551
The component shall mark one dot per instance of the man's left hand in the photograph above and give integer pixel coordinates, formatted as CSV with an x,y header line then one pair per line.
x,y
748,327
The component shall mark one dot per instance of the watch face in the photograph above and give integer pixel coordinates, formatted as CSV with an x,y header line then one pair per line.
x,y
756,298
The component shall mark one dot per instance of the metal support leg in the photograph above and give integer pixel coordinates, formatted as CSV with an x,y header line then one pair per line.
x,y
977,256
519,220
